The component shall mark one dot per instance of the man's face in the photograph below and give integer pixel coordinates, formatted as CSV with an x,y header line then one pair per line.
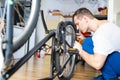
x,y
81,24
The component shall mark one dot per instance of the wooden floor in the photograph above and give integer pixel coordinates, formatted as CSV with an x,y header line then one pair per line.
x,y
36,69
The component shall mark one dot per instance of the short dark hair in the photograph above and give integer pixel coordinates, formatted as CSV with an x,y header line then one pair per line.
x,y
83,11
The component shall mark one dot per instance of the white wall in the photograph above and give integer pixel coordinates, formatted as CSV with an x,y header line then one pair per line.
x,y
113,10
22,51
19,53
46,5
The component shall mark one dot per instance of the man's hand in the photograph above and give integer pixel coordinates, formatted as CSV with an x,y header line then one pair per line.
x,y
78,46
80,36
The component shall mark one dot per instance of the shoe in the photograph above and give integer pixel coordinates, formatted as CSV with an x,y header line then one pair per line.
x,y
100,77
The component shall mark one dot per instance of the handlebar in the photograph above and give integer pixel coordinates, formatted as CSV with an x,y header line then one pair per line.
x,y
44,23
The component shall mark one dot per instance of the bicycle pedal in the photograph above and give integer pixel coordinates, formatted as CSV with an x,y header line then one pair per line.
x,y
46,78
73,51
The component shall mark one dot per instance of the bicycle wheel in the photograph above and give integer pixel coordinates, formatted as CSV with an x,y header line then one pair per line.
x,y
25,14
29,24
68,35
53,55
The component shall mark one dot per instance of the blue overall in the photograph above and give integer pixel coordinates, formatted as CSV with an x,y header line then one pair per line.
x,y
111,68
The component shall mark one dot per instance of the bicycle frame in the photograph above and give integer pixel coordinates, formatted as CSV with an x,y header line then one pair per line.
x,y
9,32
25,58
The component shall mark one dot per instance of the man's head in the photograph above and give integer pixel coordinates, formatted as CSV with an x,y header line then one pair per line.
x,y
82,18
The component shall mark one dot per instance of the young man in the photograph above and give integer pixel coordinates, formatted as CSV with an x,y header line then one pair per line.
x,y
102,50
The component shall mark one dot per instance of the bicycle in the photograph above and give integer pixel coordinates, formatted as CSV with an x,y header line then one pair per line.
x,y
60,44
11,44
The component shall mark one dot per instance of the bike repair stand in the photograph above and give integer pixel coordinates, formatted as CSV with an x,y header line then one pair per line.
x,y
53,74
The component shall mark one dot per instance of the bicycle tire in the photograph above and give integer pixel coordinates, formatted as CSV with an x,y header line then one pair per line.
x,y
53,54
19,41
29,24
66,75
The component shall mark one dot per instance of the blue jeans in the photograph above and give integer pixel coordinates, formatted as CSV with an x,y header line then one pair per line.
x,y
111,68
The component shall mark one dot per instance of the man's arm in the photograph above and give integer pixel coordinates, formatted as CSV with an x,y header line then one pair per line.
x,y
96,60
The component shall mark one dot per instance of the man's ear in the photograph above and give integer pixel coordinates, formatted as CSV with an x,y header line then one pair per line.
x,y
86,18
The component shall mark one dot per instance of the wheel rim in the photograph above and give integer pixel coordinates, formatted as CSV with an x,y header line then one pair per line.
x,y
29,27
62,57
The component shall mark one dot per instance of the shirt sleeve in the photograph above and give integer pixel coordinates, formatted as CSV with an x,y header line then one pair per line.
x,y
102,45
